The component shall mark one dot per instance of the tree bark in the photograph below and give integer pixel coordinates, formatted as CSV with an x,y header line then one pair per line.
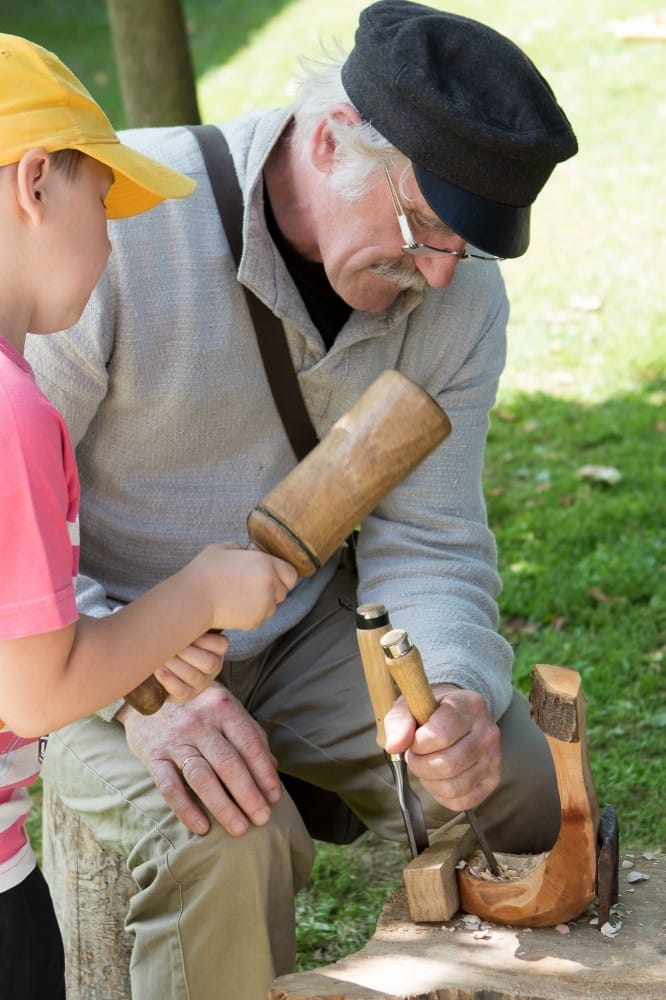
x,y
91,889
154,63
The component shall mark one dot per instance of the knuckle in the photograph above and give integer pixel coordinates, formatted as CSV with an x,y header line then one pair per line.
x,y
179,696
169,787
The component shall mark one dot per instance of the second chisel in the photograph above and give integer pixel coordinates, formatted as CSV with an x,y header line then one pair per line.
x,y
404,662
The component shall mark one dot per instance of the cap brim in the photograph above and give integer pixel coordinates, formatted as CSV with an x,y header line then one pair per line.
x,y
140,182
497,229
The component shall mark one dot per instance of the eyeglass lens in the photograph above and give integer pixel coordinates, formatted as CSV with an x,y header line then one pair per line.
x,y
410,245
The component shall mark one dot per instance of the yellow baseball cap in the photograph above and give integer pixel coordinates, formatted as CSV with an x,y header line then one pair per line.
x,y
43,105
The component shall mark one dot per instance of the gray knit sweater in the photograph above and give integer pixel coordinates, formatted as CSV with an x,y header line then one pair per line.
x,y
177,436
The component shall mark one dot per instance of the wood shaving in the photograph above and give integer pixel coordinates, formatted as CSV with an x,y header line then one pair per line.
x,y
637,877
487,935
521,865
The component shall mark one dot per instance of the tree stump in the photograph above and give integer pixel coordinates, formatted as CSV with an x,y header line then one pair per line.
x,y
456,961
91,888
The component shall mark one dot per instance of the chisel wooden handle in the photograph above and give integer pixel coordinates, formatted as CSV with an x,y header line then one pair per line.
x,y
372,622
392,427
404,662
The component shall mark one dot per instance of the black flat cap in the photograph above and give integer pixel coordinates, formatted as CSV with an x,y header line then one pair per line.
x,y
471,111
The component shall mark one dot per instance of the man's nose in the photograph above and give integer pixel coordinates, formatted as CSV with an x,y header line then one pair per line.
x,y
437,271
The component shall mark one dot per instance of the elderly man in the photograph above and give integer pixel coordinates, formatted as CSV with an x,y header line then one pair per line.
x,y
374,211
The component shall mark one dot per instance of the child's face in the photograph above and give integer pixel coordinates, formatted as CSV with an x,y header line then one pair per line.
x,y
77,243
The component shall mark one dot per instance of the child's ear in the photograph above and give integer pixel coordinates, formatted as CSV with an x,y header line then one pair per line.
x,y
32,172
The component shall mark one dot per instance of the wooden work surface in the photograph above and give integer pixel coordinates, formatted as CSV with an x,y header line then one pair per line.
x,y
407,961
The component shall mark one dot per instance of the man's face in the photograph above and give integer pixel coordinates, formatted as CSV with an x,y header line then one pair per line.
x,y
360,246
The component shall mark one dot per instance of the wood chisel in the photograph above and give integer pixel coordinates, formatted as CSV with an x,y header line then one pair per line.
x,y
406,667
372,622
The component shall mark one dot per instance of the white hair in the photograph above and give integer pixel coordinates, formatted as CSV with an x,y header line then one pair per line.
x,y
360,149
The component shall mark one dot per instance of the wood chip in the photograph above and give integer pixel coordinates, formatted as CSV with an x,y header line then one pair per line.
x,y
637,877
519,866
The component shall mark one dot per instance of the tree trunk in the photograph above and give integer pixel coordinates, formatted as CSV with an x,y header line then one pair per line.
x,y
154,63
91,889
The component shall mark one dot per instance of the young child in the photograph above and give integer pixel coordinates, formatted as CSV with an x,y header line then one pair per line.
x,y
63,172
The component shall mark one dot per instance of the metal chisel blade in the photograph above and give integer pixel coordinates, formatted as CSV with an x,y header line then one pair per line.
x,y
410,805
491,860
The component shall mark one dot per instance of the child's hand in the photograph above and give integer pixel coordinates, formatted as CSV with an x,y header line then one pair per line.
x,y
188,674
247,585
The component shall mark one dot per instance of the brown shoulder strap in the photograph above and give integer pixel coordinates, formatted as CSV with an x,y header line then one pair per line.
x,y
270,333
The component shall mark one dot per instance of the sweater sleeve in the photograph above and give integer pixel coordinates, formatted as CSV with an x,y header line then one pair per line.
x,y
427,552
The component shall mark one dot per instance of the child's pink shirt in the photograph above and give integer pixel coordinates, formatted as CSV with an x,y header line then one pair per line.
x,y
39,549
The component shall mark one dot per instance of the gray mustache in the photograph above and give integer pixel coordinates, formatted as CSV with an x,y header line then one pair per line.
x,y
396,272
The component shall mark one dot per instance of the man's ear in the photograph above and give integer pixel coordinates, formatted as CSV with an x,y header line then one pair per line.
x,y
323,143
32,173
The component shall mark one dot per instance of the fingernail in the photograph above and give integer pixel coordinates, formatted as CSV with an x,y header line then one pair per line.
x,y
261,817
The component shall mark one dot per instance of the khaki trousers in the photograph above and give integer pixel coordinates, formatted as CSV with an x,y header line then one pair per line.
x,y
214,916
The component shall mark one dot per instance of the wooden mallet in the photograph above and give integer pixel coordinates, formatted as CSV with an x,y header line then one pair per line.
x,y
393,426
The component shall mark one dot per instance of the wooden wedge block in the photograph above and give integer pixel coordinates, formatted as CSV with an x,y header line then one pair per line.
x,y
431,878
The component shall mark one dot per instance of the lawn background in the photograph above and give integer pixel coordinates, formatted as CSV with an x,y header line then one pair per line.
x,y
577,446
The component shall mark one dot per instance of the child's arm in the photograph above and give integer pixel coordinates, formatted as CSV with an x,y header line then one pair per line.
x,y
51,679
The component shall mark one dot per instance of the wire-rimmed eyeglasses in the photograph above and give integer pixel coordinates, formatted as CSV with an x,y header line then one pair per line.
x,y
414,249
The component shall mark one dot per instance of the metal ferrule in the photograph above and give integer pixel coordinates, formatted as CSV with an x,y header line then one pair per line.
x,y
396,643
369,616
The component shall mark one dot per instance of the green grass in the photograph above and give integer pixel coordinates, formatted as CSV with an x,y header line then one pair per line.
x,y
583,560
337,912
583,568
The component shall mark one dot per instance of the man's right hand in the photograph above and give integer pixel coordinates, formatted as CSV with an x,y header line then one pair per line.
x,y
456,753
214,747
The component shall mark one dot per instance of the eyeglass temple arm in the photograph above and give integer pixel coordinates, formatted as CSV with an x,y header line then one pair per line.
x,y
407,235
